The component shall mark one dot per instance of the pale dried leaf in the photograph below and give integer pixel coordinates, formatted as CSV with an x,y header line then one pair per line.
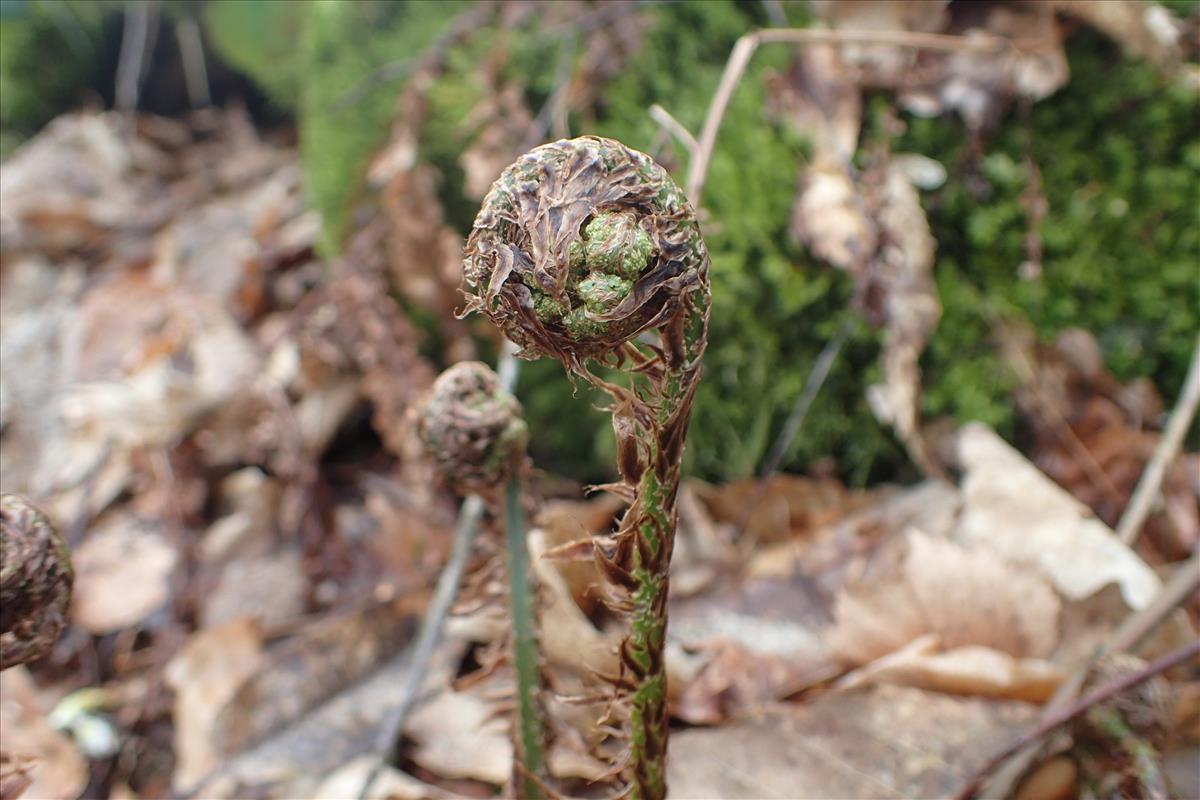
x,y
887,742
298,756
903,269
962,596
391,784
303,672
122,573
205,674
1015,510
459,735
568,638
270,588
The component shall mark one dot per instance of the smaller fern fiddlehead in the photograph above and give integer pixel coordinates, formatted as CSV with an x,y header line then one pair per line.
x,y
474,430
35,582
580,249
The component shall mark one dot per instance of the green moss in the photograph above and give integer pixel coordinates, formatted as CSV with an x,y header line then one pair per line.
x,y
35,85
260,40
1118,151
340,66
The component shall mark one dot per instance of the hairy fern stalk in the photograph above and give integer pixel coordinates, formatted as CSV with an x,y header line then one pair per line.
x,y
586,251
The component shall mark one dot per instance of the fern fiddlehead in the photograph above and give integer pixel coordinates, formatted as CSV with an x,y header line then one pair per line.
x,y
580,249
474,430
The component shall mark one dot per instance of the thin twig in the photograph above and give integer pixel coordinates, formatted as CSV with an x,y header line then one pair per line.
x,y
195,72
135,40
812,386
1130,634
431,628
1077,709
1172,439
675,128
744,48
1127,637
791,427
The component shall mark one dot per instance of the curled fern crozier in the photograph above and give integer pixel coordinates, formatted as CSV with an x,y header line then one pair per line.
x,y
587,251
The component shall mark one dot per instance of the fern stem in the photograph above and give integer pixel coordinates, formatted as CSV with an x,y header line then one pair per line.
x,y
530,740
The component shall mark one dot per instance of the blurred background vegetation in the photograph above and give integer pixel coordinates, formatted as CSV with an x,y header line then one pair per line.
x,y
1117,152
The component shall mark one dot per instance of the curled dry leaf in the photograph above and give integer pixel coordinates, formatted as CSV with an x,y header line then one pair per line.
x,y
994,622
969,670
1016,511
870,224
568,637
903,271
979,85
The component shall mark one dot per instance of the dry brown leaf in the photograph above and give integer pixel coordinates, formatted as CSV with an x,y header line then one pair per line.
x,y
962,596
566,522
297,757
743,645
271,589
886,15
1016,511
903,271
786,507
887,742
303,672
931,506
58,771
122,573
205,674
78,181
567,637
459,735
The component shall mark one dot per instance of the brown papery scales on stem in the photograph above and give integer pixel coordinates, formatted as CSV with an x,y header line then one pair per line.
x,y
581,249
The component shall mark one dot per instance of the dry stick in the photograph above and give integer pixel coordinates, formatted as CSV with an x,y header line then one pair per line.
x,y
136,36
1151,481
431,628
1136,627
675,128
739,59
1128,636
1081,706
469,515
812,386
195,72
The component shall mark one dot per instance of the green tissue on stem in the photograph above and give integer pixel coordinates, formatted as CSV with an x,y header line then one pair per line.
x,y
531,730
